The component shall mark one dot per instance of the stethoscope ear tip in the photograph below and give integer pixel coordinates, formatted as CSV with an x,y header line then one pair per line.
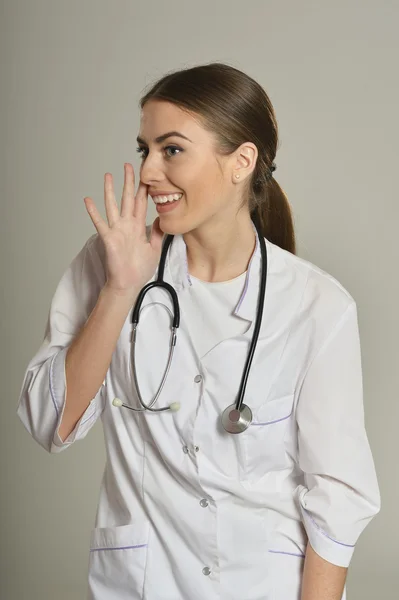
x,y
117,402
175,406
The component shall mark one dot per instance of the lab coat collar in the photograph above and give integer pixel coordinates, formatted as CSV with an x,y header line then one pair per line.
x,y
247,303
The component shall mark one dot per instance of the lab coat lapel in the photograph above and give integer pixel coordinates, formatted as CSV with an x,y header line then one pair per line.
x,y
176,273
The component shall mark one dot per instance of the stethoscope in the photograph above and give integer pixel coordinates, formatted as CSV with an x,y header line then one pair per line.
x,y
238,416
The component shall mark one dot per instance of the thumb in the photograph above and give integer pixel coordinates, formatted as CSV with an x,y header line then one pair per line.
x,y
156,236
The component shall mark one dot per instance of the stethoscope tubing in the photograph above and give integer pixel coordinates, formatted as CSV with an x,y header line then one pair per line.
x,y
236,417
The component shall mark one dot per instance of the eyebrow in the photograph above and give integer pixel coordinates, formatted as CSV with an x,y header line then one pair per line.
x,y
163,137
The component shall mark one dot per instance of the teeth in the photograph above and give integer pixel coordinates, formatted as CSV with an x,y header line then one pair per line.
x,y
164,199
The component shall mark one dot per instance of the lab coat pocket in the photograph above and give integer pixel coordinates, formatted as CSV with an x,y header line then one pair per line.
x,y
286,575
263,443
117,562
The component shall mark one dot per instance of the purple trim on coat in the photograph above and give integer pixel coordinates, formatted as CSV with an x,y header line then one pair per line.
x,y
287,553
88,418
324,533
118,548
244,292
51,386
186,266
272,422
237,308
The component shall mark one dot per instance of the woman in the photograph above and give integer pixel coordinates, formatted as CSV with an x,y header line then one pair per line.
x,y
188,510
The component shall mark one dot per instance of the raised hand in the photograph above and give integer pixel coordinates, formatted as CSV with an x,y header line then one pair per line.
x,y
131,259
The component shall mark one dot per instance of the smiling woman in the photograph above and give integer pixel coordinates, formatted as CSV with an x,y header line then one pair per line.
x,y
212,142
189,510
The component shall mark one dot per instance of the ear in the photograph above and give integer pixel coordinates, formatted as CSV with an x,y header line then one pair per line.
x,y
245,158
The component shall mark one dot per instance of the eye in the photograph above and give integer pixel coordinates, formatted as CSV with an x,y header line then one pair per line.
x,y
173,148
141,150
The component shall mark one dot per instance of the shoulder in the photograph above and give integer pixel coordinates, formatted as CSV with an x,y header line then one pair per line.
x,y
90,264
319,294
95,249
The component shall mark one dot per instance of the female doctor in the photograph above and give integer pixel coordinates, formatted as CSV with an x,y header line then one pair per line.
x,y
248,484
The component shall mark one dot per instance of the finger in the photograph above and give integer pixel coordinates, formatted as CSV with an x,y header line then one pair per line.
x,y
127,205
111,206
96,218
141,203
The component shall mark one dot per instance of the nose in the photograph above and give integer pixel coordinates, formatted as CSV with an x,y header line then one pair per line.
x,y
150,173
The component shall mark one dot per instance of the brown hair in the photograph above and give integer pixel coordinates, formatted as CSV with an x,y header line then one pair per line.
x,y
236,109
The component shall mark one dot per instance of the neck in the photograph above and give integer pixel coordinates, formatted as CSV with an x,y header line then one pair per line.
x,y
216,252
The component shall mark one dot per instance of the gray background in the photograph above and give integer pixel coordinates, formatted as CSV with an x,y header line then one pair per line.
x,y
71,76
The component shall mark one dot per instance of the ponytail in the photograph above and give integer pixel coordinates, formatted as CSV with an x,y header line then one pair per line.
x,y
275,217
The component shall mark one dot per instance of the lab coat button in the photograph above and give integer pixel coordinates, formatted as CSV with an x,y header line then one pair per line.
x,y
198,378
204,503
185,449
206,571
196,448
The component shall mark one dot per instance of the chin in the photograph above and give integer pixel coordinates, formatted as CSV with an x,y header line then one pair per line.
x,y
173,226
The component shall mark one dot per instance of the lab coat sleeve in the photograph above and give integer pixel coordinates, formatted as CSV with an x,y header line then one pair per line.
x,y
341,493
42,396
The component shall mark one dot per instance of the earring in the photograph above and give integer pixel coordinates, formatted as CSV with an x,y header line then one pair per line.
x,y
237,176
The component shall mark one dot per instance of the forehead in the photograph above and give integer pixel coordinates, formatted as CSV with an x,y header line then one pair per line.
x,y
158,117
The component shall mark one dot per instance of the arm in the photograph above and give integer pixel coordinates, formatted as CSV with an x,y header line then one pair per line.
x,y
89,355
321,579
43,392
340,494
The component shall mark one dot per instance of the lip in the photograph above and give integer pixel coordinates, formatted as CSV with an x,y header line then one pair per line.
x,y
167,207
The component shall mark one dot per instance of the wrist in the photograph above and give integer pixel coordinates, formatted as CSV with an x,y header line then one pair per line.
x,y
124,296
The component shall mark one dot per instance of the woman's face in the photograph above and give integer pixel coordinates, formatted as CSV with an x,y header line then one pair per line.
x,y
188,166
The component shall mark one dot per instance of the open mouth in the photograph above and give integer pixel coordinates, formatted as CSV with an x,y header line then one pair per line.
x,y
167,203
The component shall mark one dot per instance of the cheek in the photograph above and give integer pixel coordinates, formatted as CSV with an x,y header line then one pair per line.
x,y
202,202
205,192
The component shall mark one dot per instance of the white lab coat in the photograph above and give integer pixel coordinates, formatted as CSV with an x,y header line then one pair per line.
x,y
187,511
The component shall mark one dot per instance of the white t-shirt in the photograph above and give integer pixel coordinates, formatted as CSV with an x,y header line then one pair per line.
x,y
208,310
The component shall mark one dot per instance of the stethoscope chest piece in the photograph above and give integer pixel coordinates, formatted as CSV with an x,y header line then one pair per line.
x,y
236,421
